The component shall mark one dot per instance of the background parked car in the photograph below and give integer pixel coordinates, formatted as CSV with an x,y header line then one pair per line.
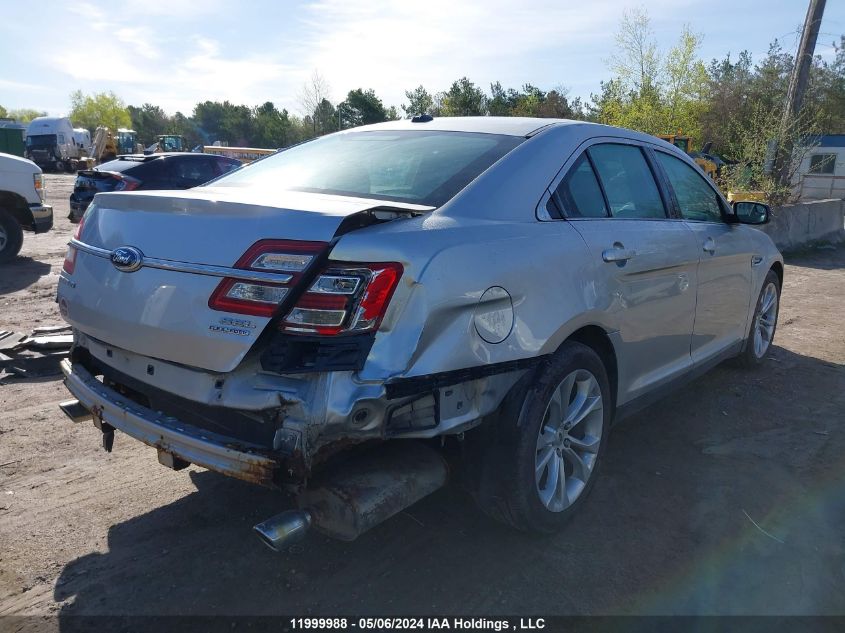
x,y
21,204
138,171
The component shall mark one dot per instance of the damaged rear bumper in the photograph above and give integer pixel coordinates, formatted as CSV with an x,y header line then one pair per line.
x,y
167,434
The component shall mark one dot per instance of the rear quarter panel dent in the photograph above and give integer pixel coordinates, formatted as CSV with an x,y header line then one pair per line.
x,y
429,326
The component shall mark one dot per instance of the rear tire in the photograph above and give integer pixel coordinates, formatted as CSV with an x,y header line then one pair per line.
x,y
536,461
763,324
11,237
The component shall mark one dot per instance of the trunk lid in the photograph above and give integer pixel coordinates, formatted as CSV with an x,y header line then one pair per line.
x,y
164,313
91,182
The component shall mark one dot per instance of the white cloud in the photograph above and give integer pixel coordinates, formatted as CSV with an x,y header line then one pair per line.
x,y
394,46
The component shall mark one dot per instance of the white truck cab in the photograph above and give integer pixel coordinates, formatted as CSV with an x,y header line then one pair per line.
x,y
22,208
51,143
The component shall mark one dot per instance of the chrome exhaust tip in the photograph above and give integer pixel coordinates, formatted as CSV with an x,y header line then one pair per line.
x,y
283,530
75,411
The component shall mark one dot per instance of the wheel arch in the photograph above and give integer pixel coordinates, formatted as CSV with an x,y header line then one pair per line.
x,y
597,339
777,267
16,206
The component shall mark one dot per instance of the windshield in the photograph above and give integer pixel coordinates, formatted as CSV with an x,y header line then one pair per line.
x,y
41,140
419,167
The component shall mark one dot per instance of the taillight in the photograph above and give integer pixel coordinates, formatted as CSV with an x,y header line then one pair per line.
x,y
344,299
70,257
127,183
288,259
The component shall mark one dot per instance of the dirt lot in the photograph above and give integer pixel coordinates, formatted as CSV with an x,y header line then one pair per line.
x,y
728,497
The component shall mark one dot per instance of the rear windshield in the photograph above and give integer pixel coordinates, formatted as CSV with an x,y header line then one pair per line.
x,y
419,167
121,165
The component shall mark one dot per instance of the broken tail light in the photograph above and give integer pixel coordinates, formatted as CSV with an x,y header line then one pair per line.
x,y
69,264
344,299
287,258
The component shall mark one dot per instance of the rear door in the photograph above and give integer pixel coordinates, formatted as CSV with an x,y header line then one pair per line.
x,y
724,271
644,262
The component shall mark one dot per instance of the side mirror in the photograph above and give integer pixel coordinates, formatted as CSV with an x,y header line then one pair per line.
x,y
747,212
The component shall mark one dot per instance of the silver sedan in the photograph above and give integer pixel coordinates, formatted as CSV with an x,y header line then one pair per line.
x,y
509,285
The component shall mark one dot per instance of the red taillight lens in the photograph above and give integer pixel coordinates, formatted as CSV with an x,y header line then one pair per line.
x,y
345,299
70,257
377,296
261,298
127,183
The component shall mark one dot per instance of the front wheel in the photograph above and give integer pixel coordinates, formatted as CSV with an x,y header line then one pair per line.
x,y
11,237
549,441
763,323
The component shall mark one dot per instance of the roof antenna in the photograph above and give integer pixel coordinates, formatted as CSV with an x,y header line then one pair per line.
x,y
422,118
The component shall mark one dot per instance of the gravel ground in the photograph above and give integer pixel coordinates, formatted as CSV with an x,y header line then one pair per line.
x,y
726,498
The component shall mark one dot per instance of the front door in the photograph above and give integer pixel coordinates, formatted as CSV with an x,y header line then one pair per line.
x,y
724,271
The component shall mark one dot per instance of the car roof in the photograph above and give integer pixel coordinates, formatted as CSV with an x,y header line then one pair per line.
x,y
507,125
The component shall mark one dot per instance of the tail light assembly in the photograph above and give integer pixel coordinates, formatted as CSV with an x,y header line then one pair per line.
x,y
125,183
342,299
286,259
69,264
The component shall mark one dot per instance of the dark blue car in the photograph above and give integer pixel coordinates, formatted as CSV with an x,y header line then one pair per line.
x,y
152,171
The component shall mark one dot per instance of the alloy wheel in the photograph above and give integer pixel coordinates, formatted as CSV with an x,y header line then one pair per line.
x,y
3,238
569,440
764,325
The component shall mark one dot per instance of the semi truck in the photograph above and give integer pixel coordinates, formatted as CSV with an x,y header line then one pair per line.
x,y
50,143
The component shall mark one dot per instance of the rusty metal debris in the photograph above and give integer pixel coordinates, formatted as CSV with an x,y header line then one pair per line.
x,y
34,355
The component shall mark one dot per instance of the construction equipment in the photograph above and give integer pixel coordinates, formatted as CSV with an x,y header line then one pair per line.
x,y
167,143
107,145
711,164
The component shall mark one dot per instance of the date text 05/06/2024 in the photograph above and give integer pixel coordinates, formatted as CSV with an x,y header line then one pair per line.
x,y
423,624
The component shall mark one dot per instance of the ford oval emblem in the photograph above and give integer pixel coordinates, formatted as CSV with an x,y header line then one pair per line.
x,y
127,259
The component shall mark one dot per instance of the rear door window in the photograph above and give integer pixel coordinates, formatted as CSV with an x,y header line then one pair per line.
x,y
579,194
627,180
184,172
697,200
149,172
224,165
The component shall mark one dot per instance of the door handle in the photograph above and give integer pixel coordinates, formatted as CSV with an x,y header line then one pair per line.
x,y
617,254
709,245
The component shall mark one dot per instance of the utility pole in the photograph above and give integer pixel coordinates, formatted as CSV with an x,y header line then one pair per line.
x,y
798,82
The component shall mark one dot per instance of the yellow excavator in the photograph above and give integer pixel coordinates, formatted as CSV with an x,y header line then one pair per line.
x,y
709,163
107,145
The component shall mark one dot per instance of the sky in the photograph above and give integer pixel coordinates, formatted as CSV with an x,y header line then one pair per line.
x,y
175,53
